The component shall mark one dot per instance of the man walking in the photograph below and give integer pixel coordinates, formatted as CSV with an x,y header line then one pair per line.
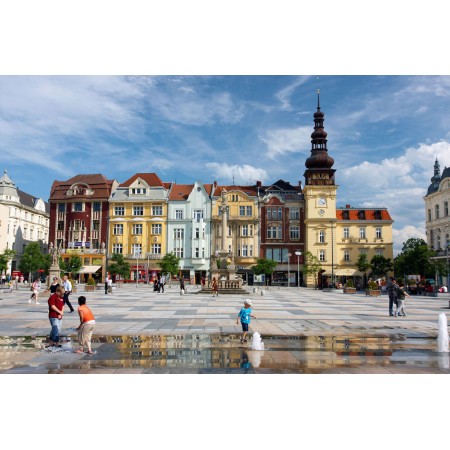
x,y
67,291
392,291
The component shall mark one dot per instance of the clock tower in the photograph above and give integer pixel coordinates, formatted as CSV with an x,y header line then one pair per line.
x,y
320,203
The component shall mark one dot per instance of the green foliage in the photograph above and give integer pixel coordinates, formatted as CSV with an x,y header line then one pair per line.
x,y
72,265
119,266
170,264
381,265
349,283
5,257
311,266
91,281
32,259
415,259
264,266
363,264
372,285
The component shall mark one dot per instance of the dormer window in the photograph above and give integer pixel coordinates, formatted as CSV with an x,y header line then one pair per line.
x,y
346,215
361,215
138,191
377,215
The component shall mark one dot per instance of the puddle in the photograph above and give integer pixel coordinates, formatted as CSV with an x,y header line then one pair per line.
x,y
220,353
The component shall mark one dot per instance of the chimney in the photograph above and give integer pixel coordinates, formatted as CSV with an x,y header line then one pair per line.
x,y
258,183
347,206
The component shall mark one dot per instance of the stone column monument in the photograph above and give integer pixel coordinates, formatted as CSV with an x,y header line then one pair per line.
x,y
55,270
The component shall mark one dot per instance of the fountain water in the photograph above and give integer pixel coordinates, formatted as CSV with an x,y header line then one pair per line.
x,y
443,333
257,343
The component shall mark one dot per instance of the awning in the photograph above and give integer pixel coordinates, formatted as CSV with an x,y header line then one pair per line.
x,y
89,269
347,273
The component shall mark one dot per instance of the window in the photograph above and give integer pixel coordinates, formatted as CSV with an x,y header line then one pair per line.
x,y
117,248
137,228
178,252
250,253
363,251
178,233
118,228
294,213
438,242
242,210
346,233
96,206
138,191
322,236
157,210
96,225
429,215
379,251
244,230
138,210
321,255
156,228
275,254
197,233
60,225
436,211
198,214
136,250
294,232
378,233
445,209
156,249
274,233
179,214
362,233
248,210
119,210
346,255
62,207
77,207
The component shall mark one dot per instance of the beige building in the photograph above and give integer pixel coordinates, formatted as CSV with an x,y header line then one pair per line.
x,y
138,223
437,219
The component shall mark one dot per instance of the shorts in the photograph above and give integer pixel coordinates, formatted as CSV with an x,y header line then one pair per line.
x,y
244,326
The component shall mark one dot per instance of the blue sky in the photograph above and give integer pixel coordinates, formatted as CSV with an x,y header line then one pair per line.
x,y
384,132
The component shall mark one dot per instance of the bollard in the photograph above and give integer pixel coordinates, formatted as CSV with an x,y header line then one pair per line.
x,y
263,293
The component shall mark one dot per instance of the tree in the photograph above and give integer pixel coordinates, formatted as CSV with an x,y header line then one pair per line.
x,y
264,266
32,259
72,265
415,259
312,266
170,264
363,266
119,266
381,265
5,257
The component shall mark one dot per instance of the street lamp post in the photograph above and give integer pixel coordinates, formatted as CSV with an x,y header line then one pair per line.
x,y
298,253
289,274
332,255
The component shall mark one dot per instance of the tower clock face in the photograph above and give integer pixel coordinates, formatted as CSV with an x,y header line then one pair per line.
x,y
322,201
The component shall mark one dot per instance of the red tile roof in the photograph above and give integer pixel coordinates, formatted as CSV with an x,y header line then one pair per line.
x,y
369,214
97,182
180,192
249,190
150,178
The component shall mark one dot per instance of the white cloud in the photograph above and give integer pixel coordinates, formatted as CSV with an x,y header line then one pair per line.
x,y
286,140
284,96
244,174
400,236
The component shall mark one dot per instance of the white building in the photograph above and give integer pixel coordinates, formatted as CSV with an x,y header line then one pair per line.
x,y
189,228
23,219
437,219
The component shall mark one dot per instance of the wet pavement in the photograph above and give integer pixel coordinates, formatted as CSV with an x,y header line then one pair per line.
x,y
304,332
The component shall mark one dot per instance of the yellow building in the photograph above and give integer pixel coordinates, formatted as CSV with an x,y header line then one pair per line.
x,y
242,224
137,223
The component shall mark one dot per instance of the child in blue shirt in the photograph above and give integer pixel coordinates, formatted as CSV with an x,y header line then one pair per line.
x,y
244,314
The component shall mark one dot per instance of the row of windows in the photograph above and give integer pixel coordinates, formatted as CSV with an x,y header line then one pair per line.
x,y
437,211
40,219
276,213
79,207
322,254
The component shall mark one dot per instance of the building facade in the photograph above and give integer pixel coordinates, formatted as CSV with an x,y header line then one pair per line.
x,y
282,216
23,219
138,224
79,220
437,219
189,228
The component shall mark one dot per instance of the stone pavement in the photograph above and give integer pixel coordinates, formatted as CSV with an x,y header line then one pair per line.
x,y
304,330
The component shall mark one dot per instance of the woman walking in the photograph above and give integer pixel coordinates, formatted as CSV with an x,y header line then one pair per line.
x,y
35,288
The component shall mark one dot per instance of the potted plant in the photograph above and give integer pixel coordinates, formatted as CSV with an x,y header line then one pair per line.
x,y
373,290
349,288
90,285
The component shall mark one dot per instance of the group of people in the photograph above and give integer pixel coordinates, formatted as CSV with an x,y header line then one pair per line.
x,y
159,283
59,296
397,296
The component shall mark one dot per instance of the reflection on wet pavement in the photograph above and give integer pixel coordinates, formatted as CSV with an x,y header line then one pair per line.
x,y
218,353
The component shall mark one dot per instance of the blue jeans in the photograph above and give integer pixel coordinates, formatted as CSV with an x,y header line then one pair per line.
x,y
56,328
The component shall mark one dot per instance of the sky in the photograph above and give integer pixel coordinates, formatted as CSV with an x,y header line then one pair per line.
x,y
384,132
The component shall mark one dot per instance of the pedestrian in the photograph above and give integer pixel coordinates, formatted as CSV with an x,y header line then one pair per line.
x,y
162,282
400,311
86,327
67,291
35,289
53,286
244,315
392,292
156,284
110,285
55,313
182,291
215,287
203,281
